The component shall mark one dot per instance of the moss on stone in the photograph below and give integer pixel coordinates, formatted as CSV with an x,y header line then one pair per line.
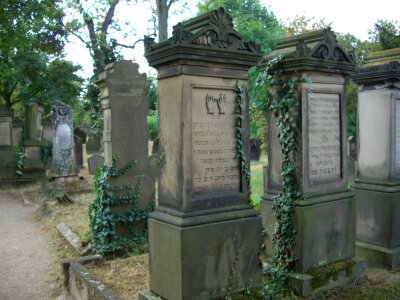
x,y
322,276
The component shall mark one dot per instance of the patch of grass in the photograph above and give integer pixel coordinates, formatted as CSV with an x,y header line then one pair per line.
x,y
125,276
257,180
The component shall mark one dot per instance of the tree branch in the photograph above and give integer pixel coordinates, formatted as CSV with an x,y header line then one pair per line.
x,y
169,3
108,19
130,46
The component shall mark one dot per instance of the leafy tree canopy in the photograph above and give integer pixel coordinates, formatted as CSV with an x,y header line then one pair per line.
x,y
32,38
386,33
251,19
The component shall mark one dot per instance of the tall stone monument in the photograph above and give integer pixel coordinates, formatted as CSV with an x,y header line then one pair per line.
x,y
63,161
204,235
33,165
125,102
7,164
377,186
325,217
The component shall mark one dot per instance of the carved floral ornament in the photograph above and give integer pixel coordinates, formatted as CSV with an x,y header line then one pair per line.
x,y
218,32
326,49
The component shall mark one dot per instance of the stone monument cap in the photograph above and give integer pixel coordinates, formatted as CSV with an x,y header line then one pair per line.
x,y
317,50
6,111
207,38
379,66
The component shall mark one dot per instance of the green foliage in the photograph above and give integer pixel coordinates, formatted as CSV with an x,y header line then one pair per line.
x,y
251,19
283,104
152,124
104,219
301,24
20,155
32,36
153,94
386,33
46,152
243,161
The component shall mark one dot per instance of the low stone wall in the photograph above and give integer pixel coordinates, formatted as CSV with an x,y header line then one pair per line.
x,y
80,284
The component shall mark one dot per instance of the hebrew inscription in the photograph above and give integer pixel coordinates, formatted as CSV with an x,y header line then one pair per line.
x,y
5,134
324,137
215,164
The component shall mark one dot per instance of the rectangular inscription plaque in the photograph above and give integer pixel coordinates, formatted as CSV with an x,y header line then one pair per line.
x,y
324,137
214,162
397,146
5,134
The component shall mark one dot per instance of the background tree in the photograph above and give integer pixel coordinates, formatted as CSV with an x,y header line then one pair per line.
x,y
32,38
386,33
301,24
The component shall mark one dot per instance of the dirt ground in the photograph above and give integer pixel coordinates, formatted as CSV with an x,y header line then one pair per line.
x,y
25,257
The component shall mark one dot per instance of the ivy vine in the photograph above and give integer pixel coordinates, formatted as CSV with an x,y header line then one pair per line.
x,y
241,153
283,103
104,219
19,155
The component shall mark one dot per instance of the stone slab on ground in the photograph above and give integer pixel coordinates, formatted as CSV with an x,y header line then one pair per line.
x,y
72,239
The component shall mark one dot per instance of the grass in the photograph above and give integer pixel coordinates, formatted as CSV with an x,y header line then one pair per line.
x,y
257,180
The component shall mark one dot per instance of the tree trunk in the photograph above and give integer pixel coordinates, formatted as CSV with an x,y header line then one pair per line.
x,y
163,7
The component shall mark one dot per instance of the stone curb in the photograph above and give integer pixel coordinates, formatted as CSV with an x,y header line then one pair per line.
x,y
80,284
72,239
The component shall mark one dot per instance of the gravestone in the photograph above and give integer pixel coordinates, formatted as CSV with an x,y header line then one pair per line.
x,y
204,235
94,162
63,162
377,186
93,145
33,165
125,105
255,150
79,140
325,217
7,164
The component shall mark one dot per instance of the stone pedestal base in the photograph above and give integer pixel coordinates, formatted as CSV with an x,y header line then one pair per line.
x,y
7,164
33,166
378,223
204,261
325,227
325,278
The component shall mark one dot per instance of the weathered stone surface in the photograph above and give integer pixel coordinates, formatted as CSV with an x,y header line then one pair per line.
x,y
377,187
255,150
79,140
204,261
94,162
204,234
7,165
63,163
125,104
93,145
72,238
325,217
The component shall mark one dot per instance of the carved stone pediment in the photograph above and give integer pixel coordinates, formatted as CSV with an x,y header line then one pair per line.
x,y
211,30
316,49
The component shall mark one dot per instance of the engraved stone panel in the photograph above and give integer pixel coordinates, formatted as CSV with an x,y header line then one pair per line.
x,y
215,164
397,146
5,134
324,137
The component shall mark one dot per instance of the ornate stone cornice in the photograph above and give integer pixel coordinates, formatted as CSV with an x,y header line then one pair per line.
x,y
379,67
212,31
314,50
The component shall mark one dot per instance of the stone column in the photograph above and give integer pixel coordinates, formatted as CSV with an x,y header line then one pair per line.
x,y
377,186
204,235
63,162
7,164
33,166
325,218
125,102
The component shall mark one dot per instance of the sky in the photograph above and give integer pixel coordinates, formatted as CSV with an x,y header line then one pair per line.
x,y
347,16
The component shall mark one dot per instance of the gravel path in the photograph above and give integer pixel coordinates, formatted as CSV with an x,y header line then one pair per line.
x,y
25,260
